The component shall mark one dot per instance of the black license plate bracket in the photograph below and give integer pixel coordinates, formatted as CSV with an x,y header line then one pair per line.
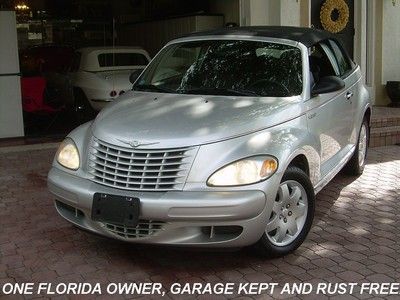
x,y
118,210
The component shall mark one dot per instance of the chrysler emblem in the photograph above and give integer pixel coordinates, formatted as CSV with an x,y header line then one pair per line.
x,y
135,144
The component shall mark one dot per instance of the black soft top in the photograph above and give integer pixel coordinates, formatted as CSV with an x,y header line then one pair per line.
x,y
306,36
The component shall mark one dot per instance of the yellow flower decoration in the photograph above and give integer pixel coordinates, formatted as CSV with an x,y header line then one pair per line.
x,y
342,9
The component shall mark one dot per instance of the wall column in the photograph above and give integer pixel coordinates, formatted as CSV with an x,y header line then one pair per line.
x,y
270,12
305,13
360,37
374,51
11,120
390,45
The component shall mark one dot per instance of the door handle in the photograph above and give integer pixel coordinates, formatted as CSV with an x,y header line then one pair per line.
x,y
349,95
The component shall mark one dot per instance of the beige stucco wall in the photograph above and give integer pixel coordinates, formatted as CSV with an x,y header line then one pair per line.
x,y
390,43
258,12
290,12
380,97
305,7
272,12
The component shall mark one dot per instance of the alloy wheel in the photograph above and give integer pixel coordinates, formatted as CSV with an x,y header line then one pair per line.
x,y
288,215
362,145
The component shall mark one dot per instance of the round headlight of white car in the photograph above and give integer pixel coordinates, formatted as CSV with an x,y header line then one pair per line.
x,y
68,155
245,171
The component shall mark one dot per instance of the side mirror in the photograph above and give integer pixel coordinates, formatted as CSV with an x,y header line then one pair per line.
x,y
328,84
134,75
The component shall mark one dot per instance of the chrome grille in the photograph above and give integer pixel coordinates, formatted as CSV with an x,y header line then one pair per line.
x,y
139,169
143,229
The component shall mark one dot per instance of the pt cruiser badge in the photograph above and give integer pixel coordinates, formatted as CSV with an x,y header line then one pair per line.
x,y
135,144
250,123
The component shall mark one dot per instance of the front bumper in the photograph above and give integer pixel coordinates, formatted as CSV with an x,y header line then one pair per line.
x,y
206,218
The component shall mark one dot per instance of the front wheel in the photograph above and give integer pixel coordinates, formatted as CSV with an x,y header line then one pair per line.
x,y
292,215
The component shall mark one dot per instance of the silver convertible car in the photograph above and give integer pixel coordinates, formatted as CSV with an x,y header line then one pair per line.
x,y
223,141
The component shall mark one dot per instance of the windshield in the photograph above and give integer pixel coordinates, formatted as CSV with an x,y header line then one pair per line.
x,y
225,67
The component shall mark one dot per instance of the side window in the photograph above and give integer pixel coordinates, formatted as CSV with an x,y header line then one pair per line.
x,y
342,60
322,63
331,56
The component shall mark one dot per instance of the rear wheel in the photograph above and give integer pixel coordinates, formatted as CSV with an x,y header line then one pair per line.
x,y
356,164
292,215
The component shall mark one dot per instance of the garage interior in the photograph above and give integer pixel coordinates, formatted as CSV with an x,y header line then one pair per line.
x,y
46,30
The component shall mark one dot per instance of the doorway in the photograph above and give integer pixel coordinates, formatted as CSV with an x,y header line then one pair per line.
x,y
346,36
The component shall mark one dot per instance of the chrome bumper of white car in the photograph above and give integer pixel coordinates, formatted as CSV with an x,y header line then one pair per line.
x,y
225,219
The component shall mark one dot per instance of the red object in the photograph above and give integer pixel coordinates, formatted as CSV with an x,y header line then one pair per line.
x,y
33,89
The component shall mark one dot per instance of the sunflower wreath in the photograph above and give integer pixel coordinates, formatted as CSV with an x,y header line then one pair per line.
x,y
330,6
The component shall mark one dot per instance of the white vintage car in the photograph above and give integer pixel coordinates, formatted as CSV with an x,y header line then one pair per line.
x,y
98,75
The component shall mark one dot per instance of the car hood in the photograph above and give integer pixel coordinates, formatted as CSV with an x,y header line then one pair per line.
x,y
117,79
172,120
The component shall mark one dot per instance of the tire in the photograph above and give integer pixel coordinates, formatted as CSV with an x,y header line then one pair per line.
x,y
297,208
82,109
356,164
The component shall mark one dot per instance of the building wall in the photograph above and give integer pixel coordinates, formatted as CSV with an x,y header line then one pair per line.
x,y
270,12
305,15
391,42
229,8
375,47
11,122
290,12
153,35
360,37
258,10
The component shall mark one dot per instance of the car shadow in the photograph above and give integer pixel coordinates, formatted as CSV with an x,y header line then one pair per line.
x,y
330,193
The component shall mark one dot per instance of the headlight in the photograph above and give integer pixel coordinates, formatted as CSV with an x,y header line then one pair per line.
x,y
245,171
68,155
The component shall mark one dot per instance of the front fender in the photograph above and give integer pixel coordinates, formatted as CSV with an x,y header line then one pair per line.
x,y
284,141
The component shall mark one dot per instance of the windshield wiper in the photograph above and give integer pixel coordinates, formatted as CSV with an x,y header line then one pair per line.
x,y
219,91
152,87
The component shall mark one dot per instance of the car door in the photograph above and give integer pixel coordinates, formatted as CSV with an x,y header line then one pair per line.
x,y
353,86
345,103
329,115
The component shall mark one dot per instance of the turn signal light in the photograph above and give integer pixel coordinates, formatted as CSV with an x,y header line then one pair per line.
x,y
268,167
